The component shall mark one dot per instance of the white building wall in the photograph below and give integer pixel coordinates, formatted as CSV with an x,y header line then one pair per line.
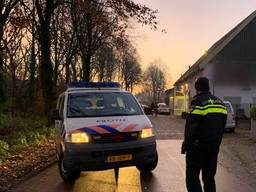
x,y
236,91
224,90
229,89
241,94
208,72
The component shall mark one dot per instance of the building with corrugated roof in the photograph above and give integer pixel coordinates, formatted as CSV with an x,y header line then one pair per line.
x,y
230,65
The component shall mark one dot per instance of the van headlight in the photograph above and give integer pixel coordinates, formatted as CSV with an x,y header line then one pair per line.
x,y
147,132
77,137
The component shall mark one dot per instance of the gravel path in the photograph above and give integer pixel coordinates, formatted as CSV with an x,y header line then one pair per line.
x,y
237,152
168,127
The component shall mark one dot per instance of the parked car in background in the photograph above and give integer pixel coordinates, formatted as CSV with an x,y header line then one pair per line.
x,y
163,108
231,119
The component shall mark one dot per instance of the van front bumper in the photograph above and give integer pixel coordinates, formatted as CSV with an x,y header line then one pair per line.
x,y
93,156
230,125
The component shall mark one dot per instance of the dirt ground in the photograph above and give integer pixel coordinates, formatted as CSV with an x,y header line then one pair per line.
x,y
237,152
26,163
238,155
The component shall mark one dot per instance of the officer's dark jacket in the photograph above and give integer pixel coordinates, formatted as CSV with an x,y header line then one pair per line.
x,y
206,122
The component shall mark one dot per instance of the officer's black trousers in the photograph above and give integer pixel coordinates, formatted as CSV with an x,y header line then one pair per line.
x,y
204,160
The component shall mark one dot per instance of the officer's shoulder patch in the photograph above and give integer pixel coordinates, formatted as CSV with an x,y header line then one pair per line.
x,y
214,101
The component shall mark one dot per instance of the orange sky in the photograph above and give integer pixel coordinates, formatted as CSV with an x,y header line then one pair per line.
x,y
192,25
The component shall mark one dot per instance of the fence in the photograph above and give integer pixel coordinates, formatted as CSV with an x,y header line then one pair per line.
x,y
242,112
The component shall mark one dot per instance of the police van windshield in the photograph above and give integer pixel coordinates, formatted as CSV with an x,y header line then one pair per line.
x,y
95,104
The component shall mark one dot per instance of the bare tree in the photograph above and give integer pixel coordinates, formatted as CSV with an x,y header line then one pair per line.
x,y
97,21
105,63
45,10
6,8
64,47
155,79
16,51
45,44
130,68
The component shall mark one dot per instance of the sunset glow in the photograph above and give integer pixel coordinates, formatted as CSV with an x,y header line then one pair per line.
x,y
191,26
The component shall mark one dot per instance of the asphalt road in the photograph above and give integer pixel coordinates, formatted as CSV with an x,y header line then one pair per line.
x,y
169,176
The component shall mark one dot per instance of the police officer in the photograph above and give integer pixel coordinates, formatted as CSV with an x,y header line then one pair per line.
x,y
203,134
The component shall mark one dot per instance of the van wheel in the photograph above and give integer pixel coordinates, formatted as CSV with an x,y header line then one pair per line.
x,y
148,167
68,175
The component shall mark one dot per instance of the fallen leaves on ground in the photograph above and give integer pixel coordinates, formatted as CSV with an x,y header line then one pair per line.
x,y
25,163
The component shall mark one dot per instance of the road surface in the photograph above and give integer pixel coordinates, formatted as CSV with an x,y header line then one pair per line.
x,y
169,176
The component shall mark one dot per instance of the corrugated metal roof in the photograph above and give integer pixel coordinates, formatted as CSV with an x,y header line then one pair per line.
x,y
215,49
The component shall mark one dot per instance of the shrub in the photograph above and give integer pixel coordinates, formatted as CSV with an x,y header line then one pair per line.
x,y
20,132
19,140
4,149
12,125
253,113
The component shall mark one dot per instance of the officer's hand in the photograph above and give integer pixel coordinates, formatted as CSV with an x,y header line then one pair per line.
x,y
183,148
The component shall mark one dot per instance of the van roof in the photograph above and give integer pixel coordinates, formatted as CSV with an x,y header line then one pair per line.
x,y
74,86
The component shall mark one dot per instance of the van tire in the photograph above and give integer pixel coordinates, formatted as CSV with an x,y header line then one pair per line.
x,y
148,167
67,174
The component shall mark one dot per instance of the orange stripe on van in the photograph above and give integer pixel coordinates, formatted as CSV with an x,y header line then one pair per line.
x,y
129,128
99,129
115,126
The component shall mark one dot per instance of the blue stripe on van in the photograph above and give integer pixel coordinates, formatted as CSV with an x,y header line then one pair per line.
x,y
88,130
110,129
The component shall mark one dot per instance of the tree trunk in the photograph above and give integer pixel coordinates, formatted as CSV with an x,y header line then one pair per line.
x,y
88,57
55,71
87,67
74,71
13,94
32,71
46,69
2,92
67,72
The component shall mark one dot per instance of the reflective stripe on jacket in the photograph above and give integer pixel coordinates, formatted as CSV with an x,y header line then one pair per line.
x,y
206,122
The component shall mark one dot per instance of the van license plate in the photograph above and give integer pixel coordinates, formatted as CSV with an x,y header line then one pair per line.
x,y
112,159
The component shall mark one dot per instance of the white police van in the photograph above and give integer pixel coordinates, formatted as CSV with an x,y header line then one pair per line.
x,y
99,127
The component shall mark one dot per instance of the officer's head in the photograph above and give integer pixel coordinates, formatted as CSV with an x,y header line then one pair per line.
x,y
202,84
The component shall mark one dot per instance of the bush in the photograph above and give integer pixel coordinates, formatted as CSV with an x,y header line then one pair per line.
x,y
4,149
253,113
12,125
19,132
37,137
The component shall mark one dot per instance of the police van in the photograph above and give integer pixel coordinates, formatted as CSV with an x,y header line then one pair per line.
x,y
99,126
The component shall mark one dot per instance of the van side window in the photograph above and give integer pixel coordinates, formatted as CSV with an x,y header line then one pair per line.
x,y
61,105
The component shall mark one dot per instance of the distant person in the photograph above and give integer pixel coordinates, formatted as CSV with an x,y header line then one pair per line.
x,y
154,108
203,135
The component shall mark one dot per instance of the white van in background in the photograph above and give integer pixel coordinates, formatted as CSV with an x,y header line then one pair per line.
x,y
231,119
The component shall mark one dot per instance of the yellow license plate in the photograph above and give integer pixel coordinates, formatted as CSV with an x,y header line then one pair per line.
x,y
112,159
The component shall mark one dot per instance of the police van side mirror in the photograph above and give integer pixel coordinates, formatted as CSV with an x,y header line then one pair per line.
x,y
55,115
184,115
